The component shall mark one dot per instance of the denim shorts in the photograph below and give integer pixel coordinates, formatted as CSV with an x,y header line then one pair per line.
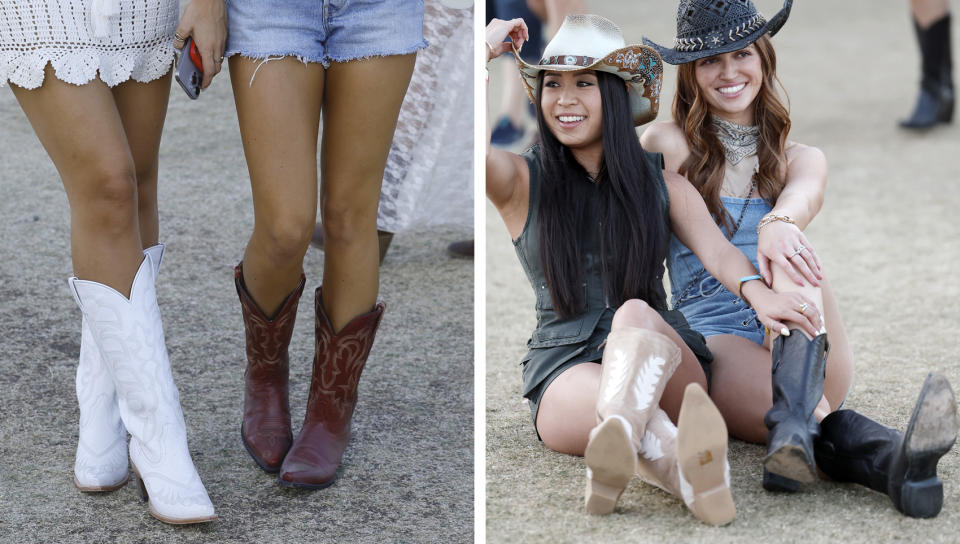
x,y
718,311
324,31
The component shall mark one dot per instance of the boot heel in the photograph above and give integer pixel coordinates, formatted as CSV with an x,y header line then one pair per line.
x,y
144,496
611,463
601,499
791,462
922,499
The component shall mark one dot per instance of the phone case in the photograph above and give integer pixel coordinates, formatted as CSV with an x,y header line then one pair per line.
x,y
187,72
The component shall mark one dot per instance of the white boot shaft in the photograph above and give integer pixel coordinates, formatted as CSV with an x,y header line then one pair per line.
x,y
101,461
129,333
637,363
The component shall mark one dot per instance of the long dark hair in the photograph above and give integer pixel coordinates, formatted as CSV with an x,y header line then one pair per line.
x,y
633,228
704,167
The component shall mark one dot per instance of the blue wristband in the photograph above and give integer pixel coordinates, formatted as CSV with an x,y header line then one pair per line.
x,y
743,280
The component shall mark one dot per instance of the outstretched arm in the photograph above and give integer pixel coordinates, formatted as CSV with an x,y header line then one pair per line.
x,y
693,225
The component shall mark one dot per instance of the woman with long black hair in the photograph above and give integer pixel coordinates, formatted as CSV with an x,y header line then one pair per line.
x,y
590,214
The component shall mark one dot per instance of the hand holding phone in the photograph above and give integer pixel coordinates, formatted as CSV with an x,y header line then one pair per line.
x,y
189,69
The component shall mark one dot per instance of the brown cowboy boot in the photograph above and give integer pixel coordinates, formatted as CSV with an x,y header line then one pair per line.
x,y
266,407
313,460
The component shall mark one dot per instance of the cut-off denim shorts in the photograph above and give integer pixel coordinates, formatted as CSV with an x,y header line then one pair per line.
x,y
324,31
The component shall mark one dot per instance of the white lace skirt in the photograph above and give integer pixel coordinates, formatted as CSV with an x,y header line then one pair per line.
x,y
119,39
429,176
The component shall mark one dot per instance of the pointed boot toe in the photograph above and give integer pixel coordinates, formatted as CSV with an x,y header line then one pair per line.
x,y
267,445
313,460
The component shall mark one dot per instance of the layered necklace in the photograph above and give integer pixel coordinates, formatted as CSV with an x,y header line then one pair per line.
x,y
740,148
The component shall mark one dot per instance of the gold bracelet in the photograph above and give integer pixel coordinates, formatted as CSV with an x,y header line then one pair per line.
x,y
489,51
771,217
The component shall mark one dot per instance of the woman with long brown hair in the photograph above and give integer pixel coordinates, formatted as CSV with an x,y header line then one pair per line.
x,y
730,138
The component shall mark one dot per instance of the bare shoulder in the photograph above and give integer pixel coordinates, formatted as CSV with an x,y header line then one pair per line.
x,y
667,138
804,155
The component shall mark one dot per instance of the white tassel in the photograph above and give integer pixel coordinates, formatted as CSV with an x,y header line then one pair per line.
x,y
100,13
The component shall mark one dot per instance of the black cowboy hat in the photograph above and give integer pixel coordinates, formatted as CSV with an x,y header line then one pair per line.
x,y
710,27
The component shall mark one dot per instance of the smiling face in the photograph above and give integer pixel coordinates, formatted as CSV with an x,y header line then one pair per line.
x,y
730,82
572,108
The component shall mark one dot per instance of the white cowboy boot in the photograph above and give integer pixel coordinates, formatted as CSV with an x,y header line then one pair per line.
x,y
101,463
636,366
690,462
129,333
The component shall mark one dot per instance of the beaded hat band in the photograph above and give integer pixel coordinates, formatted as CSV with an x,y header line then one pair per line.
x,y
711,27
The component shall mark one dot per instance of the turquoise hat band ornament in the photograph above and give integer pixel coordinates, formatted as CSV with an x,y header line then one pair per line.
x,y
592,42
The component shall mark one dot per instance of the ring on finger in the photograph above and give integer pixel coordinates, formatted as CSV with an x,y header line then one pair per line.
x,y
177,37
798,251
219,61
803,307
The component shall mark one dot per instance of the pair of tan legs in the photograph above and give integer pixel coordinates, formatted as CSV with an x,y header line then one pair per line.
x,y
740,370
104,143
279,116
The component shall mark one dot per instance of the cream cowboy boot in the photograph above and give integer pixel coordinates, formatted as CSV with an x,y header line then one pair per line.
x,y
686,461
101,462
129,334
636,366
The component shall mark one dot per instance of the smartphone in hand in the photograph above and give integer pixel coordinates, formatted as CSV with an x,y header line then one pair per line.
x,y
189,69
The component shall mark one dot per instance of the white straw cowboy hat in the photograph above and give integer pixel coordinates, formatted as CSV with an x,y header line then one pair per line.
x,y
592,42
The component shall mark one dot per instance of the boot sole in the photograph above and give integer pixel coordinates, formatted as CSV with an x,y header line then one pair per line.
x,y
611,462
266,468
301,485
790,461
144,496
702,457
931,433
100,488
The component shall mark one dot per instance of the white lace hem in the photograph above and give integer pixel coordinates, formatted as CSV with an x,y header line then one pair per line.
x,y
80,66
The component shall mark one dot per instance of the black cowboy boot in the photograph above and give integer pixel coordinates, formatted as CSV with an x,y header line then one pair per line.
x,y
797,374
935,102
854,448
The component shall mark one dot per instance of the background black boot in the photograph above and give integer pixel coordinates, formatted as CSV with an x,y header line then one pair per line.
x,y
798,371
935,102
854,448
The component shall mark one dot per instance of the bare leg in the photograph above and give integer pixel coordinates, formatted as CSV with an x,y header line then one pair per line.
x,y
143,108
568,406
279,122
928,11
98,174
361,105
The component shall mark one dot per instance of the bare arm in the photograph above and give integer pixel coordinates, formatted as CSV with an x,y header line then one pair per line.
x,y
692,224
507,175
801,199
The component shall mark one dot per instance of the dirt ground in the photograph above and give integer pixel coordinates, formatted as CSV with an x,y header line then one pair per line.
x,y
408,472
890,243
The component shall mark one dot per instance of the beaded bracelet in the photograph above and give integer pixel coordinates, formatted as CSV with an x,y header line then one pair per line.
x,y
743,280
771,217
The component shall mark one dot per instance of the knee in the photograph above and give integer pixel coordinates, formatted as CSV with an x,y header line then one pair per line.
x,y
111,202
344,223
285,239
636,313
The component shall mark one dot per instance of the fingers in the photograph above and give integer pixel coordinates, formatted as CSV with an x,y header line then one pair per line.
x,y
764,264
807,315
791,271
801,265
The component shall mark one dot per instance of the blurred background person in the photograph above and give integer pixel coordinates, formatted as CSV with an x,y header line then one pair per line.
x,y
931,19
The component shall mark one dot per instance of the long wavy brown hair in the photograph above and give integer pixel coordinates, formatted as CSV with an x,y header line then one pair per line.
x,y
704,167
